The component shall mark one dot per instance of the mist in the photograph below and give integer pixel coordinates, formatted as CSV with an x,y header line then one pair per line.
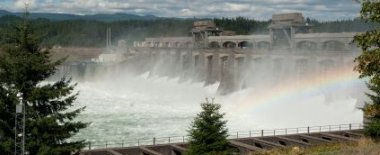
x,y
289,78
139,99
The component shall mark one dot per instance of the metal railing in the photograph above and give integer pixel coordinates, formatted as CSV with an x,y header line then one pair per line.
x,y
232,135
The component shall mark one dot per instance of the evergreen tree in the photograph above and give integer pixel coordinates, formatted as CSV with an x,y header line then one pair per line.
x,y
24,67
208,133
369,66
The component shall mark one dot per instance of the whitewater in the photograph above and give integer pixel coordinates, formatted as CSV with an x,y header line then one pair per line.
x,y
123,107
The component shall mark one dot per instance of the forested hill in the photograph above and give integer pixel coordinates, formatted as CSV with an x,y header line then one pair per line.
x,y
96,17
91,33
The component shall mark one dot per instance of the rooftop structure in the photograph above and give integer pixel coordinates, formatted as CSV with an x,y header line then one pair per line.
x,y
284,27
287,19
286,31
202,30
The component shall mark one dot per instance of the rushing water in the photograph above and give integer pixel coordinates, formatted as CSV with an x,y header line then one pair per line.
x,y
139,107
126,107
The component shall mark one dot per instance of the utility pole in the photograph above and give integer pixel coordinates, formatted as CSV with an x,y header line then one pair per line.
x,y
20,129
109,33
21,110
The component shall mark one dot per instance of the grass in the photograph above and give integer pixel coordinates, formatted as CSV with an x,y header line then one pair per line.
x,y
362,147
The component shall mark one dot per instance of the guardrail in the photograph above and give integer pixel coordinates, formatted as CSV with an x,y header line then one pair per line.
x,y
232,135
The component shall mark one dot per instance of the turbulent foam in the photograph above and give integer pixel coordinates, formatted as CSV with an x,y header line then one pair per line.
x,y
139,107
135,107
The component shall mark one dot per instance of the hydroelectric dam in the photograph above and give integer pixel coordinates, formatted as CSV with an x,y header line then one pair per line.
x,y
174,73
211,55
290,51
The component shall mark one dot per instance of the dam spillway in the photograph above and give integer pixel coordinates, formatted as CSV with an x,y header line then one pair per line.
x,y
290,50
236,68
140,91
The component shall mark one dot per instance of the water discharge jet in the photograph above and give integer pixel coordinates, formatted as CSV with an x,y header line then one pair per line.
x,y
129,106
262,83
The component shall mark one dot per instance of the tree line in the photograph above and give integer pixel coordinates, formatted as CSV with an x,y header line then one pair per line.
x,y
88,33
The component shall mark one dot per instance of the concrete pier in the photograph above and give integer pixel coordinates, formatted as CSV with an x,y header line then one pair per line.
x,y
236,68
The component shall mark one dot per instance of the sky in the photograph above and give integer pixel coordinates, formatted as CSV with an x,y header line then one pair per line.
x,y
254,9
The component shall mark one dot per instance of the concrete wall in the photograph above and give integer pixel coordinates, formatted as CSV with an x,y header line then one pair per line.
x,y
233,67
308,41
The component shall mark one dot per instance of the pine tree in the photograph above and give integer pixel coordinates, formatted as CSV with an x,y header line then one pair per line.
x,y
24,68
208,133
369,66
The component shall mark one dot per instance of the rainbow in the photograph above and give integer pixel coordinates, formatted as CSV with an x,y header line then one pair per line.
x,y
290,89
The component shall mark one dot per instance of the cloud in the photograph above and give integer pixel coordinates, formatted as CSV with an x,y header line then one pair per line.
x,y
21,4
258,9
237,7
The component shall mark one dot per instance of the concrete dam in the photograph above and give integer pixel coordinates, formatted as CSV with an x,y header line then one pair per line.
x,y
290,51
151,89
